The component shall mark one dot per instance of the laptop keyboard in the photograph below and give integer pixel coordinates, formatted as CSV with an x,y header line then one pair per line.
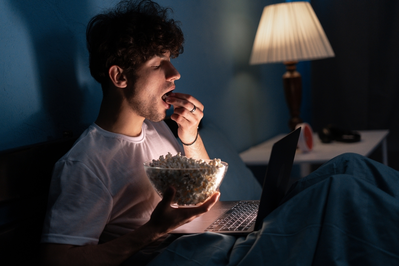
x,y
239,218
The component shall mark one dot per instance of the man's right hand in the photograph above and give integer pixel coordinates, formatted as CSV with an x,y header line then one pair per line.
x,y
165,218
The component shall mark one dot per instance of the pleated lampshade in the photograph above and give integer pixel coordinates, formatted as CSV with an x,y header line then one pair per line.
x,y
289,32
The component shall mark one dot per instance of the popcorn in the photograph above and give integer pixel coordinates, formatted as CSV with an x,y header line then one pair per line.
x,y
194,180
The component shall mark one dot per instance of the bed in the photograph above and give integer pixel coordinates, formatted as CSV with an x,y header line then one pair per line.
x,y
345,213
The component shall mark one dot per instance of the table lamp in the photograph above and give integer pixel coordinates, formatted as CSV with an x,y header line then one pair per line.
x,y
289,32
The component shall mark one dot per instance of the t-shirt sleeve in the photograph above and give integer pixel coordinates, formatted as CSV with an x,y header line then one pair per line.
x,y
79,205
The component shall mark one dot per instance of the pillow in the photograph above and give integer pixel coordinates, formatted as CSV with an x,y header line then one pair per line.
x,y
239,182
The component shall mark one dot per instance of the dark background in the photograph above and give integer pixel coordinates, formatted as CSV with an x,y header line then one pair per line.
x,y
358,89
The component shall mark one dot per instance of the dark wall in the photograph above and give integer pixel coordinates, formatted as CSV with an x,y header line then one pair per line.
x,y
359,88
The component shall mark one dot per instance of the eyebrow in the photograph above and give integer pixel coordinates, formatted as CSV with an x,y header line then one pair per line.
x,y
163,56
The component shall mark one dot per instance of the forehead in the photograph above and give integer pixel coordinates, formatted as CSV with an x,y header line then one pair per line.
x,y
164,55
155,60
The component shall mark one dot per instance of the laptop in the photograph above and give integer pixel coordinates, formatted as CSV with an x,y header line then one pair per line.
x,y
245,216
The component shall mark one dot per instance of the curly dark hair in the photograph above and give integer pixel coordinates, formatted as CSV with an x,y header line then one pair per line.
x,y
129,35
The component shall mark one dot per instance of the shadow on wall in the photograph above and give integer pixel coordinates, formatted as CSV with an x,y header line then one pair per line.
x,y
52,27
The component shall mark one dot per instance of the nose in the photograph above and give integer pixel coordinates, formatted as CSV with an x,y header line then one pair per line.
x,y
172,73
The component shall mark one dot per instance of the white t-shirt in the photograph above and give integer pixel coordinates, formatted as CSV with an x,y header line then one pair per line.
x,y
99,189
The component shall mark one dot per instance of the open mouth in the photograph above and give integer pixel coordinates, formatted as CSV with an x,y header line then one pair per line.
x,y
165,95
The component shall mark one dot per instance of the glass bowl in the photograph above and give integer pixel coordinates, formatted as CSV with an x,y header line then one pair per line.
x,y
193,185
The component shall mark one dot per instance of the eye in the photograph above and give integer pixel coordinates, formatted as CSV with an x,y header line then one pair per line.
x,y
156,65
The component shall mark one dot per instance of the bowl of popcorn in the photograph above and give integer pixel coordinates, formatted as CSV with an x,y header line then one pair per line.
x,y
194,180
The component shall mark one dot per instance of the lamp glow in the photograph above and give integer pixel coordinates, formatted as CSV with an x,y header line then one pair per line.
x,y
288,33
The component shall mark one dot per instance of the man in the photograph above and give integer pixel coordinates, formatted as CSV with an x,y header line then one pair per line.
x,y
102,208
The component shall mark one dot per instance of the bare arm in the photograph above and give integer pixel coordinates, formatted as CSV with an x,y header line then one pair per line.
x,y
188,112
163,220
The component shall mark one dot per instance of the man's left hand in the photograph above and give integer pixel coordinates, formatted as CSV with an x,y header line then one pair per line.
x,y
188,112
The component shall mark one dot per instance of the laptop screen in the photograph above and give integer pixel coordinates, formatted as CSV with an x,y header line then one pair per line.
x,y
276,182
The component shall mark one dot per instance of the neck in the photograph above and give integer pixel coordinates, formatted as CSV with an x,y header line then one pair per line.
x,y
116,116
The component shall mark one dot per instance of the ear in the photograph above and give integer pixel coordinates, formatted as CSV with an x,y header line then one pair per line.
x,y
117,77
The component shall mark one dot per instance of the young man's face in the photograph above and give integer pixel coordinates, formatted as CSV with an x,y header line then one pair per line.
x,y
155,78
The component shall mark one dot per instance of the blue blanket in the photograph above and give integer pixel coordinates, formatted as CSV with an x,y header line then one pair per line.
x,y
345,213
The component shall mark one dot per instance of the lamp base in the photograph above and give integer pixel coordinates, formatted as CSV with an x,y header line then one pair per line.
x,y
292,82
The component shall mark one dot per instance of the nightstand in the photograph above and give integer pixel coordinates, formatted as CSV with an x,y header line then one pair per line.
x,y
322,152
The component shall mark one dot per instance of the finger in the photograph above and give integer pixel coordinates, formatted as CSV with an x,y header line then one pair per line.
x,y
195,116
182,103
187,121
212,200
192,213
187,125
209,203
184,100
